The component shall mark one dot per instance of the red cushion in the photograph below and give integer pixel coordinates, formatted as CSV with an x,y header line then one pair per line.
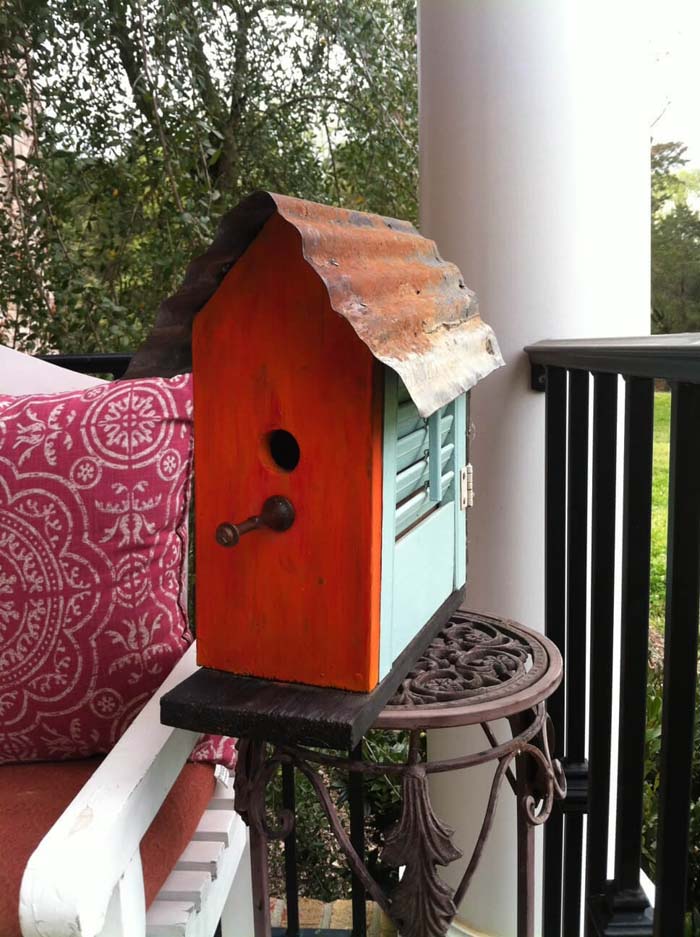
x,y
174,825
94,488
32,797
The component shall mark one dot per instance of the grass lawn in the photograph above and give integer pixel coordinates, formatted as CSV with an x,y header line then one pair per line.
x,y
662,427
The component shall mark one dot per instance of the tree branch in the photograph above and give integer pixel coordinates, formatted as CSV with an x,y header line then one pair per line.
x,y
199,66
156,115
129,56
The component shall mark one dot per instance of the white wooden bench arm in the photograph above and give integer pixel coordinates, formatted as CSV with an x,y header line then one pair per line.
x,y
72,875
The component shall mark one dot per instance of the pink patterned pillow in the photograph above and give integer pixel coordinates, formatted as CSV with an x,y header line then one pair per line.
x,y
94,489
216,750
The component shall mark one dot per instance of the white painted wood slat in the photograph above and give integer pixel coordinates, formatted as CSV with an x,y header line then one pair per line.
x,y
175,917
215,826
196,892
126,913
201,856
186,885
223,795
168,918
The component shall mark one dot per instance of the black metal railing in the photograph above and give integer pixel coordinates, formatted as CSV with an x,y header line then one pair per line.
x,y
112,364
583,587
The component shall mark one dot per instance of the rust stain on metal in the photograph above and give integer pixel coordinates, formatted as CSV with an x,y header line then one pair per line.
x,y
410,307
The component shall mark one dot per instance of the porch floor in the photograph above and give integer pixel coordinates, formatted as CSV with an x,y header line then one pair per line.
x,y
331,916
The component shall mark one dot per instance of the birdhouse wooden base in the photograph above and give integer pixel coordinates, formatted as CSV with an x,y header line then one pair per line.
x,y
249,707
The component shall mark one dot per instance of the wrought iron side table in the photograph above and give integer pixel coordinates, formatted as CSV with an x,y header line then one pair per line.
x,y
479,669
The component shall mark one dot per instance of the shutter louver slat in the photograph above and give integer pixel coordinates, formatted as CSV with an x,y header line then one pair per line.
x,y
409,419
403,395
412,448
413,462
413,509
416,476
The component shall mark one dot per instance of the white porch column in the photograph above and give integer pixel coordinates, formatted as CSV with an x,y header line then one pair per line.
x,y
535,180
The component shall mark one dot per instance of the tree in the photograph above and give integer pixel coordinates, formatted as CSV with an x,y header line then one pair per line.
x,y
675,232
129,126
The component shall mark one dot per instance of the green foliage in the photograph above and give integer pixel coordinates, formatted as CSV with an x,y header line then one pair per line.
x,y
675,233
383,798
321,866
659,509
129,126
651,796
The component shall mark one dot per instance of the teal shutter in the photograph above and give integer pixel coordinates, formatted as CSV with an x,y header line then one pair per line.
x,y
424,533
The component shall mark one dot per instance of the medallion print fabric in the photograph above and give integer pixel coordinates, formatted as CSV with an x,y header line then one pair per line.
x,y
216,750
93,544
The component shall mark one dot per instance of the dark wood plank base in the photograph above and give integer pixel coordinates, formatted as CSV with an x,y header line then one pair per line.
x,y
226,704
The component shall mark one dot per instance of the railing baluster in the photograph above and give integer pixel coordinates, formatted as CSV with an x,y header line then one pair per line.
x,y
604,478
628,899
115,365
555,617
290,854
619,907
356,802
576,622
680,662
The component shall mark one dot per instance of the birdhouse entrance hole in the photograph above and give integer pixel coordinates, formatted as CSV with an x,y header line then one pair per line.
x,y
284,449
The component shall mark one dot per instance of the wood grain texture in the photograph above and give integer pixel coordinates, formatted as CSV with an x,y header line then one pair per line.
x,y
223,703
270,353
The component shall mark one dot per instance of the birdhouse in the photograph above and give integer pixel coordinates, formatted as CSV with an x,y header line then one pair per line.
x,y
332,364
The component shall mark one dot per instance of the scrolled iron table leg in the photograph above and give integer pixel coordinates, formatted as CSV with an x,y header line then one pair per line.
x,y
422,905
478,670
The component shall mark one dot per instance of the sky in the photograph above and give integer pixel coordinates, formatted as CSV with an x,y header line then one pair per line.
x,y
675,74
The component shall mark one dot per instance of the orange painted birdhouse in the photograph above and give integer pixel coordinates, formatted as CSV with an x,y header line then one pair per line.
x,y
332,355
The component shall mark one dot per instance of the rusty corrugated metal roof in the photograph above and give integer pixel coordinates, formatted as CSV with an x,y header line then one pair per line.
x,y
410,307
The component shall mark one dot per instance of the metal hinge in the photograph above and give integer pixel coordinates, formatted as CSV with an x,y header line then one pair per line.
x,y
466,486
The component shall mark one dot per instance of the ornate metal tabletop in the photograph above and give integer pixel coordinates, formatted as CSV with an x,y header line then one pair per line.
x,y
477,670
